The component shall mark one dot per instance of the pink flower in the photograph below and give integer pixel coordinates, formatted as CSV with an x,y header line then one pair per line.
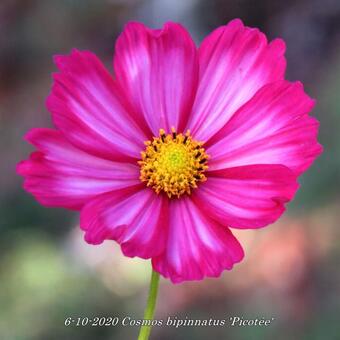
x,y
227,138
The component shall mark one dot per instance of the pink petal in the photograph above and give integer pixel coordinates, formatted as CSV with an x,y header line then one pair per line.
x,y
61,175
235,62
87,106
137,220
158,71
248,196
272,128
196,246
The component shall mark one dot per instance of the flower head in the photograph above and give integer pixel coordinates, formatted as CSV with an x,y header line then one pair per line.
x,y
177,147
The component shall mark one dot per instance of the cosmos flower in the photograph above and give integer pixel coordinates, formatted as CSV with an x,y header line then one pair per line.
x,y
177,147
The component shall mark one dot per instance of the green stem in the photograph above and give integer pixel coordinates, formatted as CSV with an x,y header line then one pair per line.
x,y
149,312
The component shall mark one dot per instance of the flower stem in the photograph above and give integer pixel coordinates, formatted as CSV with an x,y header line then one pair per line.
x,y
150,306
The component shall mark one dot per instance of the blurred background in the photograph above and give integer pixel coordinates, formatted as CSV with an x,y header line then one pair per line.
x,y
47,272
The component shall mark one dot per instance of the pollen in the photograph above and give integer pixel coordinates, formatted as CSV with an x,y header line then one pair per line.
x,y
173,163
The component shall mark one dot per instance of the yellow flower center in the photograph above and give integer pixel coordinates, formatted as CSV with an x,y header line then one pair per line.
x,y
173,163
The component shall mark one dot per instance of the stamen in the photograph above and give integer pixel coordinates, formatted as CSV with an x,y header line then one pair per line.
x,y
162,134
173,133
173,163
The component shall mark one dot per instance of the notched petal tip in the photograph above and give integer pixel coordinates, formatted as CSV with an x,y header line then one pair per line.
x,y
299,89
32,134
72,61
21,167
279,45
155,33
235,22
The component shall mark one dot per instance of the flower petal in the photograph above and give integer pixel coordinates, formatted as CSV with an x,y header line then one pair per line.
x,y
158,70
248,196
272,128
235,62
137,220
61,175
196,246
88,108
